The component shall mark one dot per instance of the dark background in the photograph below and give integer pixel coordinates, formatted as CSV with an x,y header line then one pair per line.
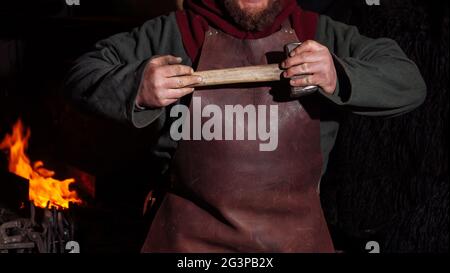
x,y
387,179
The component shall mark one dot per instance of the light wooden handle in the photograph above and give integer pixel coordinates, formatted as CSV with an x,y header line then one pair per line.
x,y
248,74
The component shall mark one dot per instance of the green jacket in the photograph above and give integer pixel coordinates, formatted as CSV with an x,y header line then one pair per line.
x,y
375,78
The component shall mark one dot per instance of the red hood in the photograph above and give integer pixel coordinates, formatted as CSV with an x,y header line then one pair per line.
x,y
198,15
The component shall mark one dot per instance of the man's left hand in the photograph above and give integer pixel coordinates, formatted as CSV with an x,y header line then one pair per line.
x,y
315,59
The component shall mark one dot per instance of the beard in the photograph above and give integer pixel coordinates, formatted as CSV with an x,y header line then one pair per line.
x,y
257,21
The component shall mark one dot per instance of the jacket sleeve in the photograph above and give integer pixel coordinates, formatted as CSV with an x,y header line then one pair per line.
x,y
375,77
106,80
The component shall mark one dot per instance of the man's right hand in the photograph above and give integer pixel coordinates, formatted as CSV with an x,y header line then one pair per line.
x,y
165,81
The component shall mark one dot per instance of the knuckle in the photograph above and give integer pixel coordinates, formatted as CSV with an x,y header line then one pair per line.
x,y
157,84
304,68
180,83
309,42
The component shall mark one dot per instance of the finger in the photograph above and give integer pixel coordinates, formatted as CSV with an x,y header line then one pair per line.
x,y
305,81
178,93
176,70
305,57
306,46
166,60
305,68
182,81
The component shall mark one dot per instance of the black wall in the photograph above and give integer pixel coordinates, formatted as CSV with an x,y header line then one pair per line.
x,y
388,179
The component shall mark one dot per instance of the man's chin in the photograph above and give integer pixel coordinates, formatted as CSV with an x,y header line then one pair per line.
x,y
252,7
252,13
254,18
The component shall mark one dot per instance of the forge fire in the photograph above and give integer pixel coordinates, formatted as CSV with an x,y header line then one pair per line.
x,y
44,190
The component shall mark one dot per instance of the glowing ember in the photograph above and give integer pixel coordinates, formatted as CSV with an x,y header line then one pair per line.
x,y
44,190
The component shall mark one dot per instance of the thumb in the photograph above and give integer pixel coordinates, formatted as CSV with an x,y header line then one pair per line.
x,y
166,60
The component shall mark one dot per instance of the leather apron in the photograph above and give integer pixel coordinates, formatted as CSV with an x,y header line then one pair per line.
x,y
228,196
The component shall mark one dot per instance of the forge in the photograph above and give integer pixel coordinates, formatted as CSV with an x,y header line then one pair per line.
x,y
36,209
26,228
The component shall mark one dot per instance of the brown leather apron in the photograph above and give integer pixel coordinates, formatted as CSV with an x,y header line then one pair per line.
x,y
228,196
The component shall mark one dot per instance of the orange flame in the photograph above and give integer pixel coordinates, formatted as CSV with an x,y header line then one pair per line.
x,y
44,190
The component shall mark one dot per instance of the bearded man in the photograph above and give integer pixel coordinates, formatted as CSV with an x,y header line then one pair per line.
x,y
227,195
